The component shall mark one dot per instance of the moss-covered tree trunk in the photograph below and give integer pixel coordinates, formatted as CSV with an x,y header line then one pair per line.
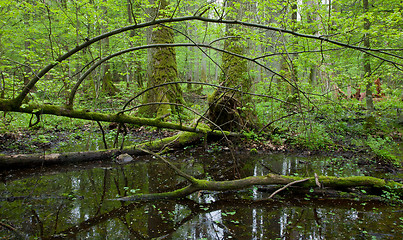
x,y
233,110
162,67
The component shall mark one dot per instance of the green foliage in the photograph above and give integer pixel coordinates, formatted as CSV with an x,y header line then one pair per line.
x,y
384,148
392,195
253,151
314,138
35,33
251,135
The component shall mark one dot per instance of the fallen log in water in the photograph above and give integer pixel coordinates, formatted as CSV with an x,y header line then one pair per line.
x,y
270,179
29,160
197,185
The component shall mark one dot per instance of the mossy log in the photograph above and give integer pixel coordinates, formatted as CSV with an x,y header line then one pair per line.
x,y
197,185
270,179
187,137
29,160
39,109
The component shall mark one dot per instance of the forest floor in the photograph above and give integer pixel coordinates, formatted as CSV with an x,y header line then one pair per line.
x,y
87,137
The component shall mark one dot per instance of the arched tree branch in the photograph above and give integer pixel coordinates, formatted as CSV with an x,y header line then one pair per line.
x,y
99,62
27,88
200,83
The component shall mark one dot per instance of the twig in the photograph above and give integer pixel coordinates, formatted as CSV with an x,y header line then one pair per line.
x,y
286,186
166,145
278,119
317,181
11,228
103,134
176,8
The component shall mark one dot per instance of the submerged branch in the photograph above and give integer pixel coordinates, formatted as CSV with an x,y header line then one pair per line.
x,y
286,186
204,208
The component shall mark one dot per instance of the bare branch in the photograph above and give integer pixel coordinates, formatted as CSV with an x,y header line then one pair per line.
x,y
286,186
27,88
201,83
99,62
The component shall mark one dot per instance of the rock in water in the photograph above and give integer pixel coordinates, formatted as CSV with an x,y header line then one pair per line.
x,y
124,158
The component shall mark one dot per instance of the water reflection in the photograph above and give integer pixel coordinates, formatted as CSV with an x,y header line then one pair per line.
x,y
74,203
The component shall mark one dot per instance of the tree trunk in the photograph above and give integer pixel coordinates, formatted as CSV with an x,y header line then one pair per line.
x,y
229,110
162,67
106,74
292,67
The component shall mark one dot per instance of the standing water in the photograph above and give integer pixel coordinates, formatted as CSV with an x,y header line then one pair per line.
x,y
76,202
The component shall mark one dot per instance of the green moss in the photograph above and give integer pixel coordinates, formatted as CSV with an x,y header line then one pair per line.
x,y
202,183
163,68
394,185
253,151
235,68
332,181
183,138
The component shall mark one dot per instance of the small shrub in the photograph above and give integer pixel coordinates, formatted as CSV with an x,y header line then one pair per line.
x,y
384,148
314,138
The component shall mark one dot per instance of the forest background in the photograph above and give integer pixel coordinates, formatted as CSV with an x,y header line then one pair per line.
x,y
312,75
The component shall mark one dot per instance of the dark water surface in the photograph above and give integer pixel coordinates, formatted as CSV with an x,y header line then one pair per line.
x,y
73,202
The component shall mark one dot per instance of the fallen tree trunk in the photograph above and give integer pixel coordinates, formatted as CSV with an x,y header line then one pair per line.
x,y
190,135
39,109
29,160
197,185
270,179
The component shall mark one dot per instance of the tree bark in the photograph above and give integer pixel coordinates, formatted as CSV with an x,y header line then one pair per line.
x,y
162,67
229,110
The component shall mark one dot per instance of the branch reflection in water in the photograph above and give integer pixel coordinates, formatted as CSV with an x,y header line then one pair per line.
x,y
73,202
